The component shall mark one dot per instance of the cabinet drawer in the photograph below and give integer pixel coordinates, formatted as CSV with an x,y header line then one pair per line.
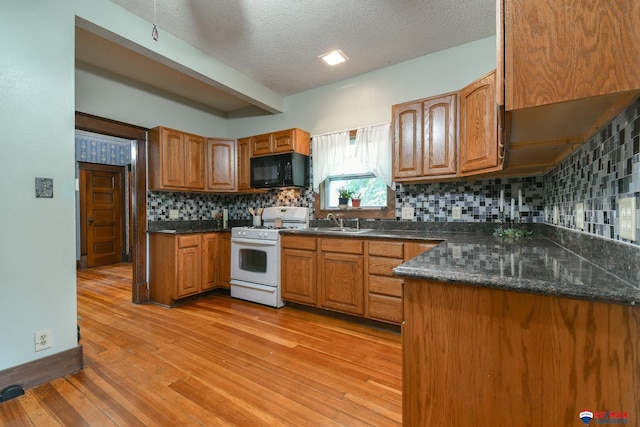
x,y
391,286
382,307
190,240
344,246
297,242
386,249
383,266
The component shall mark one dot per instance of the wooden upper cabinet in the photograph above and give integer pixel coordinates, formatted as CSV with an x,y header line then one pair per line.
x,y
564,50
262,145
284,141
425,138
243,151
194,161
407,144
221,164
176,160
480,149
439,144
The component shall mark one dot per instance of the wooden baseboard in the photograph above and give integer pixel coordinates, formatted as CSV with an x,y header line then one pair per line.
x,y
43,370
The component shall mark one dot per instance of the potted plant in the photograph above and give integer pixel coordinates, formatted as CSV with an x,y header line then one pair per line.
x,y
355,200
343,197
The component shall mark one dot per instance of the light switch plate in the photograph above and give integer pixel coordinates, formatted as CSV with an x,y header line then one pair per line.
x,y
456,212
174,213
580,216
627,218
408,212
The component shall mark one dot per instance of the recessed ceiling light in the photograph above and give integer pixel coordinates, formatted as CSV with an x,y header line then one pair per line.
x,y
334,57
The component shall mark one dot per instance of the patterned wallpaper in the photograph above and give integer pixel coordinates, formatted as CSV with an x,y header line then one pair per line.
x,y
106,150
604,169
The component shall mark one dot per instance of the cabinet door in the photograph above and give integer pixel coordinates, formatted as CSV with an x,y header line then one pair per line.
x,y
224,262
283,141
210,260
478,145
172,155
244,159
407,143
342,286
193,162
262,144
439,143
221,165
298,273
188,266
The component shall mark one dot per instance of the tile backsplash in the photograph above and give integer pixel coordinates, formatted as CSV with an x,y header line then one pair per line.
x,y
600,172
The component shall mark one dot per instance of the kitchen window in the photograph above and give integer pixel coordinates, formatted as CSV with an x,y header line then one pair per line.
x,y
360,161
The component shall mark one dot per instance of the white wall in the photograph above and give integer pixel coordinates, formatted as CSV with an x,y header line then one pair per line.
x,y
37,248
367,99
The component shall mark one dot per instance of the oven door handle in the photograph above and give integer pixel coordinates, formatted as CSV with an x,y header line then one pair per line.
x,y
254,242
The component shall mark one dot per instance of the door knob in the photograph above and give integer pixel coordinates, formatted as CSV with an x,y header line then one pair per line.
x,y
90,220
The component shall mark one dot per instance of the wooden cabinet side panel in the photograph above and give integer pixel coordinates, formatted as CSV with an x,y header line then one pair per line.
x,y
162,268
224,262
506,358
557,51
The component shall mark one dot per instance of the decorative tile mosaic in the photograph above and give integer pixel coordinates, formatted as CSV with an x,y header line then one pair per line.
x,y
44,188
605,169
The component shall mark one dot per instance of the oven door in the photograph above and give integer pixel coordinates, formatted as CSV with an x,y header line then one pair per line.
x,y
255,261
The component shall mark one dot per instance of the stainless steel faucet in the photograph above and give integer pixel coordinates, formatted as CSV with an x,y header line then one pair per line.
x,y
335,219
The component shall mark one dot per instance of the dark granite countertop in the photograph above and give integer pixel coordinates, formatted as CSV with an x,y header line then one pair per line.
x,y
185,227
534,265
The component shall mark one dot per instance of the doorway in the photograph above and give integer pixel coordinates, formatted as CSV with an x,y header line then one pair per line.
x,y
137,190
102,214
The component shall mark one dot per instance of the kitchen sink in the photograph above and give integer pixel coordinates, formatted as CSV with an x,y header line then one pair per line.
x,y
343,230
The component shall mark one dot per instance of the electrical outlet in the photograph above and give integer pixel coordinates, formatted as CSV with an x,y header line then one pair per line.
x,y
174,214
456,213
43,340
408,212
580,216
627,218
214,212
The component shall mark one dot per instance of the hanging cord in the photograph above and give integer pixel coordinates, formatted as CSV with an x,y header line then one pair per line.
x,y
154,31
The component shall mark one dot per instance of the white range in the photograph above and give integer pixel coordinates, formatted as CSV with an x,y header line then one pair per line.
x,y
255,255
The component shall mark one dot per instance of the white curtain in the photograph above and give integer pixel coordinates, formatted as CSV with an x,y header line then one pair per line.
x,y
373,149
328,152
334,155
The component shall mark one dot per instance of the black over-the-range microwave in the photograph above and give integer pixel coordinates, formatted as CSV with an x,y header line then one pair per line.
x,y
280,170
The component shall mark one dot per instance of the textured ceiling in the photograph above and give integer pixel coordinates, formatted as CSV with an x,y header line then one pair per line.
x,y
277,42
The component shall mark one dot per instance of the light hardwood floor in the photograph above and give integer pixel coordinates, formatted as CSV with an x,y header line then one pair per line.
x,y
215,361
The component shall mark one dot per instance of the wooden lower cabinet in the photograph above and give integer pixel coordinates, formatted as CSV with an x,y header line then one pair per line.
x,y
484,357
299,269
224,259
184,265
350,275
